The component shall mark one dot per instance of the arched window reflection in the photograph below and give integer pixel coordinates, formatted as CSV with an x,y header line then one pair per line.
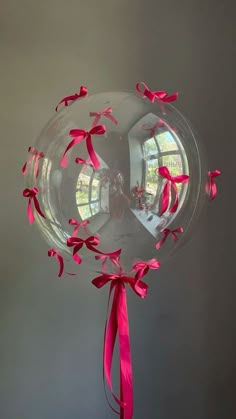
x,y
88,192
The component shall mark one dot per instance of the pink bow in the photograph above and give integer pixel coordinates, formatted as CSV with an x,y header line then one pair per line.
x,y
36,155
106,112
83,93
168,232
77,225
79,135
211,186
154,128
114,259
118,324
31,194
142,268
90,242
170,183
155,95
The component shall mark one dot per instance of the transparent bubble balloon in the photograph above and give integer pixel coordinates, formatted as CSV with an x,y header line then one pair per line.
x,y
111,181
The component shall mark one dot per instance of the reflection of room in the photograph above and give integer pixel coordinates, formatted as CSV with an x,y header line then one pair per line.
x,y
154,144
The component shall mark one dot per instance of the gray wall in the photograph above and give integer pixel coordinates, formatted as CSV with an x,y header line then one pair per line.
x,y
183,335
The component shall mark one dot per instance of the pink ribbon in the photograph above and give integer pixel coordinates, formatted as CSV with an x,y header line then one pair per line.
x,y
83,93
80,135
211,187
31,194
36,155
118,324
114,259
170,183
90,242
154,128
168,232
106,112
161,95
59,258
77,225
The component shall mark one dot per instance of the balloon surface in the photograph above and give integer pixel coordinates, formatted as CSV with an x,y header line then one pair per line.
x,y
116,172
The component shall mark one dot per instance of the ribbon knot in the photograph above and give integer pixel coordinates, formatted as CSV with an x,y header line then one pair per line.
x,y
31,194
211,185
168,232
159,95
83,93
170,184
107,112
77,225
80,135
35,156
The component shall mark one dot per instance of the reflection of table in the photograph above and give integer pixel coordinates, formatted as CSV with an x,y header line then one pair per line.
x,y
151,225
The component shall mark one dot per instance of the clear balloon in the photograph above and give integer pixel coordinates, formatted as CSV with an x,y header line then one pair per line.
x,y
120,168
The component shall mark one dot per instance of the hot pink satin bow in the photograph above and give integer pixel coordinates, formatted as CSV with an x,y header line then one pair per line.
x,y
168,232
170,183
36,155
77,225
31,194
59,258
83,93
106,112
142,268
154,128
81,135
155,95
90,242
211,187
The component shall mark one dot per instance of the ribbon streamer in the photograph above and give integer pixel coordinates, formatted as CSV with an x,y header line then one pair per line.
x,y
118,325
31,194
90,242
77,225
36,155
106,112
83,93
170,183
80,135
211,188
168,232
159,95
59,258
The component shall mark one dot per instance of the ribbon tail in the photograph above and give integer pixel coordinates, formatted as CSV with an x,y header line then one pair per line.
x,y
176,199
92,153
213,189
95,121
30,212
37,207
110,334
126,380
23,170
61,265
165,198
